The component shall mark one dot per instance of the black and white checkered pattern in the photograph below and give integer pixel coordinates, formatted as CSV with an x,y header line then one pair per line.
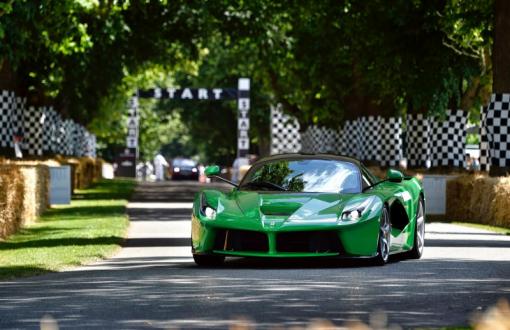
x,y
418,136
33,121
498,129
484,142
285,135
448,139
51,131
58,135
46,133
333,140
42,128
350,139
91,146
321,140
7,107
67,141
391,141
17,116
310,139
369,138
77,138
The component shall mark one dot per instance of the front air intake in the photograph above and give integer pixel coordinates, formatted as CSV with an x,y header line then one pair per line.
x,y
309,242
241,240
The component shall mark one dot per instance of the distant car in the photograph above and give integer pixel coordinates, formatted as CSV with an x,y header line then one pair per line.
x,y
184,169
300,205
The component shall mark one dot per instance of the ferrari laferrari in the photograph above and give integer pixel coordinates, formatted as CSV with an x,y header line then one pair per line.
x,y
309,205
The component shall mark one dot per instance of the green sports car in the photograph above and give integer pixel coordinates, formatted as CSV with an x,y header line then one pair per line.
x,y
302,205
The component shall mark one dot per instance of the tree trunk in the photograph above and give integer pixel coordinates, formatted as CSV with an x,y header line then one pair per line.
x,y
499,108
501,48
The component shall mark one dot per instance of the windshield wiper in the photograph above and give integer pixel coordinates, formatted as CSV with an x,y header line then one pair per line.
x,y
265,184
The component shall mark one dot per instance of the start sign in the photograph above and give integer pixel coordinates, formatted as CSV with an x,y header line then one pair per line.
x,y
242,94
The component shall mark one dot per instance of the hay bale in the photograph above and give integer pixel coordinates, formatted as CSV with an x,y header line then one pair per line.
x,y
24,195
36,182
480,199
501,202
458,192
11,199
98,168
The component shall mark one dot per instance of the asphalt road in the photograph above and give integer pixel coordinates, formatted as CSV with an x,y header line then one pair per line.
x,y
153,282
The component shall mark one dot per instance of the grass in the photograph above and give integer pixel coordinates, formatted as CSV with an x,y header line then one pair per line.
x,y
501,230
90,228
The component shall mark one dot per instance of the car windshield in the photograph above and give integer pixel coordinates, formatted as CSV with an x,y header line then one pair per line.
x,y
304,175
184,163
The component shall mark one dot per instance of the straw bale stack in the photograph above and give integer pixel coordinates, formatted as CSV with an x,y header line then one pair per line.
x,y
36,182
11,199
480,199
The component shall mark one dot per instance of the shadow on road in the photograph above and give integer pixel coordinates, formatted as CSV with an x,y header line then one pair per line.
x,y
172,290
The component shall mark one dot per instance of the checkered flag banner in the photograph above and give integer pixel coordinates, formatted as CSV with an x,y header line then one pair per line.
x,y
497,124
350,133
285,135
60,136
51,131
320,140
46,130
484,142
448,139
91,146
7,108
42,128
390,150
69,138
33,121
17,116
418,135
369,138
78,140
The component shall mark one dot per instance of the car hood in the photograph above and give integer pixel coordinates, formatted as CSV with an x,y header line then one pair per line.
x,y
285,207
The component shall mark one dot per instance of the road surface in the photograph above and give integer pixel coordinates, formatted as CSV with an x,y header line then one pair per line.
x,y
152,283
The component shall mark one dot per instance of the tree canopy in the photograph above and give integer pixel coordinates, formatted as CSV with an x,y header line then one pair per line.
x,y
324,61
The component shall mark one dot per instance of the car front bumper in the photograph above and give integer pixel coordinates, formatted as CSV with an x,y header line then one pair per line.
x,y
358,239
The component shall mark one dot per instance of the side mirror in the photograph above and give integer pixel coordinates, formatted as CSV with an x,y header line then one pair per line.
x,y
212,170
394,176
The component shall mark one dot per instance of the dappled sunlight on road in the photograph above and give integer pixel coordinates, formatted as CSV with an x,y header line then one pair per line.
x,y
153,282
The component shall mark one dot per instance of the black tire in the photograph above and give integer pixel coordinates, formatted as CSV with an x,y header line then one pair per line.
x,y
384,240
419,233
208,260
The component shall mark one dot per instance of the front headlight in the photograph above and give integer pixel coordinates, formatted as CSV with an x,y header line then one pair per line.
x,y
354,211
206,210
210,213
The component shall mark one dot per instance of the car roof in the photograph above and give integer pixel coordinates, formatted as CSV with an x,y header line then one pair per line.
x,y
291,156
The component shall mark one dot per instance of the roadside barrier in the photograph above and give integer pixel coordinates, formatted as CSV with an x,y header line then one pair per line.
x,y
24,187
480,199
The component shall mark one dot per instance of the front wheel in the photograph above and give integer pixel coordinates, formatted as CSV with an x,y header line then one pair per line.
x,y
384,241
208,260
419,233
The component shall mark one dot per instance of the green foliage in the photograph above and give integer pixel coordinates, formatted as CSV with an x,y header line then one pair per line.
x,y
324,61
473,139
158,129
